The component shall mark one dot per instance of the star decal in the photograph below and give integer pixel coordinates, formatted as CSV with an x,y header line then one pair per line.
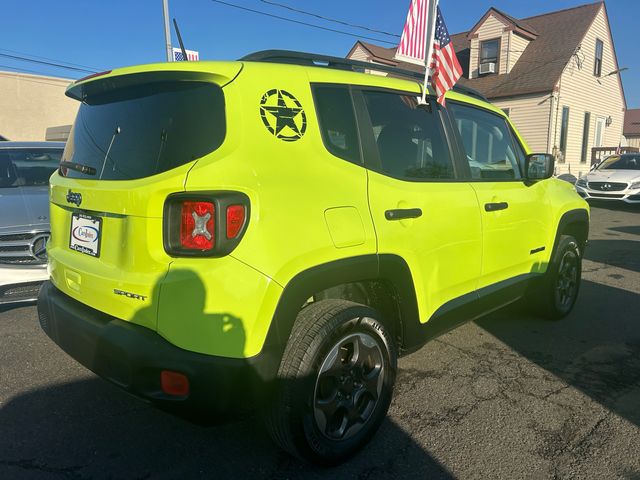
x,y
285,119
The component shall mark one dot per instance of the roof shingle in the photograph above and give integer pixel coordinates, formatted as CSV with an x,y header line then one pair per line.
x,y
541,64
631,122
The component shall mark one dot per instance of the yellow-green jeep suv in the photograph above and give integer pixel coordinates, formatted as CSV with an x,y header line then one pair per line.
x,y
277,230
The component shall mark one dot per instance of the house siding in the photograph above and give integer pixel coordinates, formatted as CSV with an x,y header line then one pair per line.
x,y
530,114
359,53
490,29
633,142
516,46
580,90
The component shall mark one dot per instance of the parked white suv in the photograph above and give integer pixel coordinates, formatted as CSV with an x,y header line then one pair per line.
x,y
616,178
25,168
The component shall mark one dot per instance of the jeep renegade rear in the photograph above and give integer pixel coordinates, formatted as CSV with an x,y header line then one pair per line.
x,y
281,230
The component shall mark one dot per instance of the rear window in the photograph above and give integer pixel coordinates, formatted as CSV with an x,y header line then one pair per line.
x,y
143,130
28,167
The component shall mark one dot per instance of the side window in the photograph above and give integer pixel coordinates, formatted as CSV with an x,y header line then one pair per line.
x,y
337,121
410,140
487,142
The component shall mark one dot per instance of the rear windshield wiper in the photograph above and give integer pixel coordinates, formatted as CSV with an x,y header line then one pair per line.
x,y
86,169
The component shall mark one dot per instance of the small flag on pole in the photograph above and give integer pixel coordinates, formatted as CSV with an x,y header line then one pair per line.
x,y
413,43
192,55
445,67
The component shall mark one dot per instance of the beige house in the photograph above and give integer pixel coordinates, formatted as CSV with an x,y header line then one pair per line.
x,y
632,127
556,75
34,107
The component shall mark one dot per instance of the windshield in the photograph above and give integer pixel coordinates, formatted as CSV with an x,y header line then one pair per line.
x,y
142,130
624,162
27,167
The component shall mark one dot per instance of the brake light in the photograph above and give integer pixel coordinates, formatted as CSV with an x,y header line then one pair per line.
x,y
197,225
204,224
235,220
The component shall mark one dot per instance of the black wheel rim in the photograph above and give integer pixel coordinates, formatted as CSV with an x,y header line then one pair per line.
x,y
567,282
348,386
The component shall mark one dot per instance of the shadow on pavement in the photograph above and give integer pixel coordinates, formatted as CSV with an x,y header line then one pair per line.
x,y
90,429
596,349
616,253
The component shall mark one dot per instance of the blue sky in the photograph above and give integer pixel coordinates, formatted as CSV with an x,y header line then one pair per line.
x,y
113,33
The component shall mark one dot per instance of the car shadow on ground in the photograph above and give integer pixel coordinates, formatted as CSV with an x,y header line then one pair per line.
x,y
91,429
596,349
624,254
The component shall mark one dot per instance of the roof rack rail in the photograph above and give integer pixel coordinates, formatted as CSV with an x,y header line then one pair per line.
x,y
315,60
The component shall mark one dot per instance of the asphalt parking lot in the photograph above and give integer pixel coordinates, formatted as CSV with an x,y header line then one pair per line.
x,y
506,397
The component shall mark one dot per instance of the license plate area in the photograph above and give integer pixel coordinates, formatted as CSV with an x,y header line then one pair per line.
x,y
85,234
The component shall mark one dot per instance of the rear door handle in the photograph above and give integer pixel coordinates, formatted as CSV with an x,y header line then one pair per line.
x,y
494,207
402,213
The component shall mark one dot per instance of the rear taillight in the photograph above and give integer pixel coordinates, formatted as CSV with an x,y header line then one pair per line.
x,y
207,224
197,225
235,220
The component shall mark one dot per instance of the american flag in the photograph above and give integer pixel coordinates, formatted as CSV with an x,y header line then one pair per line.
x,y
413,43
192,55
445,67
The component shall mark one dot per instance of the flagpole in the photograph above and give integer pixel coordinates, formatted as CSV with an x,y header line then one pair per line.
x,y
167,30
431,32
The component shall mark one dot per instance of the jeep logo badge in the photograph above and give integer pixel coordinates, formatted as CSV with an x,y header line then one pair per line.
x,y
283,115
75,198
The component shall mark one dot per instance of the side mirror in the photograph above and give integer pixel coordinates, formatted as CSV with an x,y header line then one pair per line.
x,y
539,166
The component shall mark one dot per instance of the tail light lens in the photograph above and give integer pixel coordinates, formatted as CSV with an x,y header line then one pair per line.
x,y
235,220
197,225
205,224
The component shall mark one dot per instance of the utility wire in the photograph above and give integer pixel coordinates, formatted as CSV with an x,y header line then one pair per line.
x,y
46,58
342,32
41,62
341,22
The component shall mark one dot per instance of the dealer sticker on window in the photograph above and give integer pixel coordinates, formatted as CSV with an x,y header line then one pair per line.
x,y
85,234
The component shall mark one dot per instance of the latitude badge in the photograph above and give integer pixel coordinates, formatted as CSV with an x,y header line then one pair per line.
x,y
283,115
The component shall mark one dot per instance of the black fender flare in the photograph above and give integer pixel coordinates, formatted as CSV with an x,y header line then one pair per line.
x,y
578,216
301,287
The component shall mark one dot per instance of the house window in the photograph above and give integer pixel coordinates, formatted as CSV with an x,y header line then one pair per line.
x,y
489,50
564,130
585,137
597,70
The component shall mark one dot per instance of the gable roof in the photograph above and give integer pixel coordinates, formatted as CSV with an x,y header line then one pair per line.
x,y
631,122
540,66
519,26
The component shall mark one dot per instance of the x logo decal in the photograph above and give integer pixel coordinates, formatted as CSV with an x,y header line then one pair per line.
x,y
201,225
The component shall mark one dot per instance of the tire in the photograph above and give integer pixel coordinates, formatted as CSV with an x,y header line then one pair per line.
x,y
556,296
339,364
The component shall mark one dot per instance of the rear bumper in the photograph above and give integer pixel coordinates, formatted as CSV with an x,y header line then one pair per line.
x,y
21,283
132,357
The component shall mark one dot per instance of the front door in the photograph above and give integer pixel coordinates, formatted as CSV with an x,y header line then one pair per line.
x,y
421,211
514,213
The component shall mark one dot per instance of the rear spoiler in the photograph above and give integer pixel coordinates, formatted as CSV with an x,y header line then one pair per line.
x,y
220,73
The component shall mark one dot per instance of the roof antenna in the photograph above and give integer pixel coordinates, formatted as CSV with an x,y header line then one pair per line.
x,y
184,52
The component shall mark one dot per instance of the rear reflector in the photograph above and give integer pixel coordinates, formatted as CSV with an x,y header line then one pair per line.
x,y
197,225
174,383
235,220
